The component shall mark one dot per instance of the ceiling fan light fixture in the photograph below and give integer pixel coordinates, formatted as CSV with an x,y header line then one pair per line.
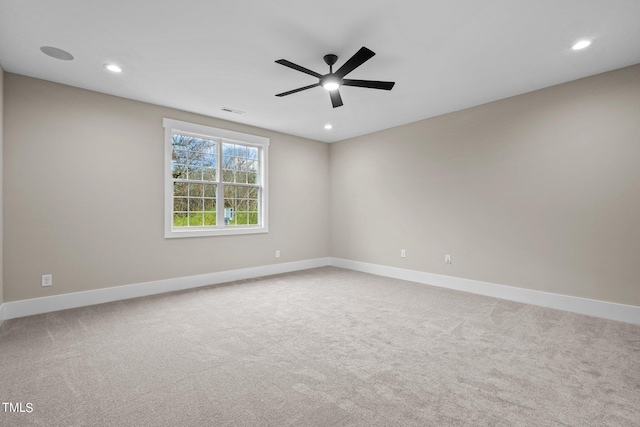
x,y
330,84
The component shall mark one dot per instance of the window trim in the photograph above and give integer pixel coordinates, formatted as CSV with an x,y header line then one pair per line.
x,y
172,126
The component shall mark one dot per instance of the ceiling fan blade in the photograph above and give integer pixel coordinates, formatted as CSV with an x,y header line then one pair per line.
x,y
298,90
298,67
371,84
336,99
361,56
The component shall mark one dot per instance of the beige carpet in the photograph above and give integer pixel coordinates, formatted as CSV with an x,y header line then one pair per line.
x,y
322,347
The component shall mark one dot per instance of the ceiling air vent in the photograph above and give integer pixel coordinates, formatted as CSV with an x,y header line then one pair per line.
x,y
231,110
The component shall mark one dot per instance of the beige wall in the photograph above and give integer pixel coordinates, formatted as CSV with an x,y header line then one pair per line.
x,y
540,191
1,186
84,195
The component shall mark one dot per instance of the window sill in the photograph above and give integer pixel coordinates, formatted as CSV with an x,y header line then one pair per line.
x,y
206,232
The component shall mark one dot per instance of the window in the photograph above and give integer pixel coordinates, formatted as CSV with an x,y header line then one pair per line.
x,y
215,181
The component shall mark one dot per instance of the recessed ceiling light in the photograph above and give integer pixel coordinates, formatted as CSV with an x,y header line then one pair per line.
x,y
113,67
56,53
328,126
581,44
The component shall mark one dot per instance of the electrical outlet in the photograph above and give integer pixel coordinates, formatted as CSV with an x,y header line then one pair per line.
x,y
278,253
447,259
47,280
403,253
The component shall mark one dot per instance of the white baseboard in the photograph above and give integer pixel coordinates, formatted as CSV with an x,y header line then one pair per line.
x,y
2,309
603,309
33,306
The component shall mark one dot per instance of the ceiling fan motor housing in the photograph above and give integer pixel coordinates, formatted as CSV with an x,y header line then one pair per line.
x,y
330,59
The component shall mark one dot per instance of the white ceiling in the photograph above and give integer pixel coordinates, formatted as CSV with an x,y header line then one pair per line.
x,y
202,55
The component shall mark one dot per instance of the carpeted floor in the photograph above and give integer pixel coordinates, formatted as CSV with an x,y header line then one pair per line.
x,y
321,347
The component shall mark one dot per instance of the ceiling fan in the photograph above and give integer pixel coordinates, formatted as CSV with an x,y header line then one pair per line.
x,y
332,81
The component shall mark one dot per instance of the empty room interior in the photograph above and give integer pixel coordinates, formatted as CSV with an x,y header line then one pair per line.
x,y
282,213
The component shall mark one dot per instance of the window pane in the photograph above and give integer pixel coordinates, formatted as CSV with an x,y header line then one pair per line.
x,y
252,153
195,173
180,142
241,177
253,218
194,144
241,205
178,171
241,151
210,205
180,189
227,150
209,160
241,218
179,155
209,174
242,192
196,219
180,204
195,190
227,175
180,220
208,146
228,163
244,202
194,159
227,156
210,218
195,205
209,190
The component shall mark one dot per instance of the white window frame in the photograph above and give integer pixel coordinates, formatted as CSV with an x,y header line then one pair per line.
x,y
172,126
